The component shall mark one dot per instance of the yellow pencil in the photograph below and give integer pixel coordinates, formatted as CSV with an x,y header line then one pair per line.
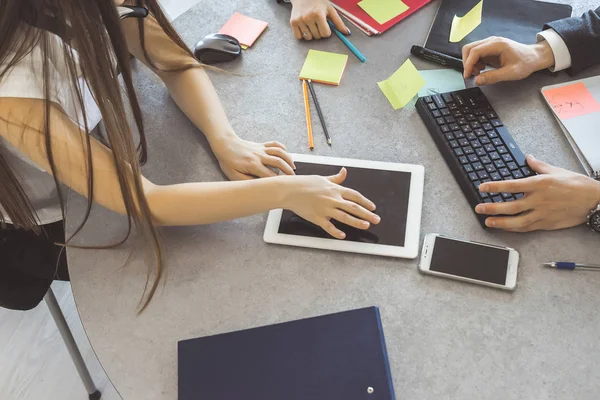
x,y
311,143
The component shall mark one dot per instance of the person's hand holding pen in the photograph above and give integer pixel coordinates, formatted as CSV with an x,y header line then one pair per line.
x,y
309,19
554,199
512,60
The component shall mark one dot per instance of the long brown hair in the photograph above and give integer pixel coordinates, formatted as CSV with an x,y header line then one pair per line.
x,y
95,30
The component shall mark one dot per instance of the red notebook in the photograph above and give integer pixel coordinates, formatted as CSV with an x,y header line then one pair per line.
x,y
351,7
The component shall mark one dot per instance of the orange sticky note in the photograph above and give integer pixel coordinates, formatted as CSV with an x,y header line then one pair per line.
x,y
572,100
243,28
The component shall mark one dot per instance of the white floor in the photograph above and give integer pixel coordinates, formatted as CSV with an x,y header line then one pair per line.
x,y
34,362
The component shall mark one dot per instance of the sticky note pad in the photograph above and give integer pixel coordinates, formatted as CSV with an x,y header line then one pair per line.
x,y
383,10
403,85
572,100
462,26
324,67
441,81
243,28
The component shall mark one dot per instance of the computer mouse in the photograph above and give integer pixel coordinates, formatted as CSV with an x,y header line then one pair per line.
x,y
216,48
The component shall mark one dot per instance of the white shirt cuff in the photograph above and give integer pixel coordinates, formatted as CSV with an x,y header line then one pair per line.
x,y
562,57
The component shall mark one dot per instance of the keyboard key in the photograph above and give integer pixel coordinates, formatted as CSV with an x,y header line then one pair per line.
x,y
477,166
453,144
450,119
492,134
459,99
475,125
432,106
439,102
470,136
476,184
464,160
480,152
473,176
502,150
487,126
486,160
497,142
479,132
459,134
447,97
506,195
461,121
436,114
472,158
428,99
519,196
495,176
512,166
459,152
470,117
468,150
488,200
499,164
452,106
449,136
440,121
484,140
466,128
517,174
491,115
494,156
476,144
445,128
483,174
445,112
463,142
526,171
482,119
489,147
504,172
454,127
507,157
497,199
490,168
479,113
496,122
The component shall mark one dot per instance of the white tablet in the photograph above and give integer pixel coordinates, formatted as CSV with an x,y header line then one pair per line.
x,y
396,190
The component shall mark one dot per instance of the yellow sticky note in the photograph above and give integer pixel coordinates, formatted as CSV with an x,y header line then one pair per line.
x,y
403,85
462,26
383,10
243,46
324,67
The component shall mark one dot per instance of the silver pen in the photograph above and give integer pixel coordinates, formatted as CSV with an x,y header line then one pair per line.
x,y
571,266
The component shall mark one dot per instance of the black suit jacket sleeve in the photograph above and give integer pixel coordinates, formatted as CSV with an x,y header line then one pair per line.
x,y
582,37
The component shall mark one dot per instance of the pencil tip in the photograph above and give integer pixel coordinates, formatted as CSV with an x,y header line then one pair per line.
x,y
329,142
312,148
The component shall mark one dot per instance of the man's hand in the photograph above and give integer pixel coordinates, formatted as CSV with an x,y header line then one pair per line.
x,y
513,60
554,199
309,19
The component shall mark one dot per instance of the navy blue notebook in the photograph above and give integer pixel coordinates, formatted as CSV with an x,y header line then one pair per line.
x,y
332,357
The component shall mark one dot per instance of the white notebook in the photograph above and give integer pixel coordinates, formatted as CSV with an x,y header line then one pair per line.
x,y
578,115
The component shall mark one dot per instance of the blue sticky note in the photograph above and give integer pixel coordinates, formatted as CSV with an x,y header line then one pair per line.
x,y
441,81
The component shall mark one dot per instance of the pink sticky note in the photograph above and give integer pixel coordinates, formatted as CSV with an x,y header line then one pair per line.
x,y
244,29
572,100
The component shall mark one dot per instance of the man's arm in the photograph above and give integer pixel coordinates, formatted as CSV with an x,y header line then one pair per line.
x,y
582,37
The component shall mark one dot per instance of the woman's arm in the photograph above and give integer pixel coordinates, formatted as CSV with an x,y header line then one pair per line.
x,y
195,95
316,199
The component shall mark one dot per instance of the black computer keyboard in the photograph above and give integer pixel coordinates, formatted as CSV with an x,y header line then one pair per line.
x,y
474,142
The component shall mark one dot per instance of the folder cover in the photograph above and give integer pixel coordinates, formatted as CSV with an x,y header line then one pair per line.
x,y
332,357
519,20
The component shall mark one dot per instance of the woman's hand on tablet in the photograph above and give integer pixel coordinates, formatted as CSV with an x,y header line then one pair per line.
x,y
320,199
241,159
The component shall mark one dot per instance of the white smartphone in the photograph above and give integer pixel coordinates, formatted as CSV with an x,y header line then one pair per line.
x,y
472,262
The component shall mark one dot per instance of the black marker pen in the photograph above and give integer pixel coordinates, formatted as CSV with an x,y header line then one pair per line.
x,y
437,57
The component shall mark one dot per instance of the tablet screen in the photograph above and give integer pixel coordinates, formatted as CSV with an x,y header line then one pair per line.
x,y
389,190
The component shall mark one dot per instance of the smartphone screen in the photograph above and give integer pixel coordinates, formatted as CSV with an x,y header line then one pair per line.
x,y
470,260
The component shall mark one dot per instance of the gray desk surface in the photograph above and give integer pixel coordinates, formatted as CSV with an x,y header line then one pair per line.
x,y
445,339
